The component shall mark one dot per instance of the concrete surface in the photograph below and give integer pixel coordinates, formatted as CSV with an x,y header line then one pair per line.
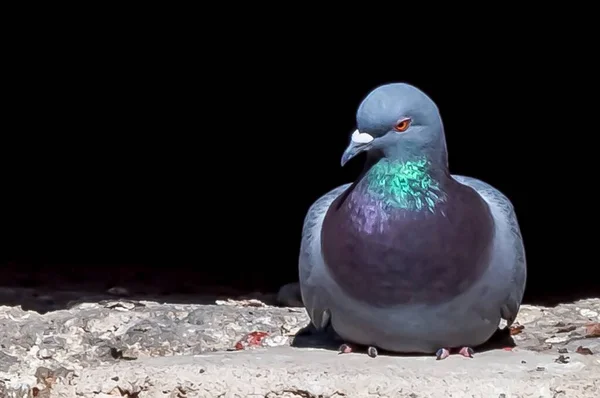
x,y
292,372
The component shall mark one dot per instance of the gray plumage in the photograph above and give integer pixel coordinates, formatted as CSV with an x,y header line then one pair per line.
x,y
410,278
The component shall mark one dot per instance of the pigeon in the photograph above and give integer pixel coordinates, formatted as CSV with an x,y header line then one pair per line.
x,y
410,258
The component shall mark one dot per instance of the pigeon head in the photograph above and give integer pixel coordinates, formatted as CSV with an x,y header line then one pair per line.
x,y
397,121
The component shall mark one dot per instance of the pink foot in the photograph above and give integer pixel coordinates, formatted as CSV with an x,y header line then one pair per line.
x,y
466,352
346,349
442,353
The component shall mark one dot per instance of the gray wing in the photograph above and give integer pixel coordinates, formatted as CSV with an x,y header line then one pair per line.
x,y
504,208
310,263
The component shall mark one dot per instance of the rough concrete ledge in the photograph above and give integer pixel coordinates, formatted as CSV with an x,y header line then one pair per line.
x,y
115,346
293,372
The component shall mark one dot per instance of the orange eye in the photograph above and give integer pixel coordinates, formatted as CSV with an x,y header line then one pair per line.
x,y
402,125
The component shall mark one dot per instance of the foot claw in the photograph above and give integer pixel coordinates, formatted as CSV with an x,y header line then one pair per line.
x,y
345,349
442,353
372,351
466,352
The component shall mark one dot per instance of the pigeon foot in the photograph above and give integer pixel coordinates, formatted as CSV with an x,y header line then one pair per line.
x,y
444,353
372,351
466,352
346,349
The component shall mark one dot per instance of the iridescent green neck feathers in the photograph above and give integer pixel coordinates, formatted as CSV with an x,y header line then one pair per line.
x,y
407,185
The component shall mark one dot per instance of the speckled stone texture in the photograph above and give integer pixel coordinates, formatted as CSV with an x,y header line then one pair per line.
x,y
132,346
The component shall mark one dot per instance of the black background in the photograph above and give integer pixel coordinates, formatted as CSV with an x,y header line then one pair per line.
x,y
182,169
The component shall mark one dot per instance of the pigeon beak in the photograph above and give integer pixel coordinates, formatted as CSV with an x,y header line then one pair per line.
x,y
359,142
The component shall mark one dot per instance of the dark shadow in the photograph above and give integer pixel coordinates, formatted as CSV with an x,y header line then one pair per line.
x,y
310,337
55,287
51,287
501,339
327,339
550,296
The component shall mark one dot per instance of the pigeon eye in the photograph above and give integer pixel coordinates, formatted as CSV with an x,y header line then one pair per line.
x,y
402,125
